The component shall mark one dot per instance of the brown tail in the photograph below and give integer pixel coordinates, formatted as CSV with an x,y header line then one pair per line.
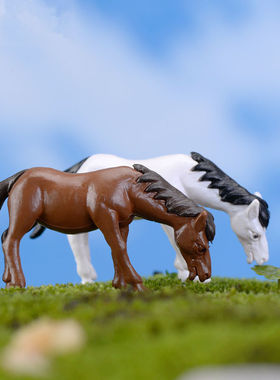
x,y
6,186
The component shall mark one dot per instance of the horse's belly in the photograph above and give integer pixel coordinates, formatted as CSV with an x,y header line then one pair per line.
x,y
66,218
69,228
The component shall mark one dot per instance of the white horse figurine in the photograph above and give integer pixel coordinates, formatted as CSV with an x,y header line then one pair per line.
x,y
203,182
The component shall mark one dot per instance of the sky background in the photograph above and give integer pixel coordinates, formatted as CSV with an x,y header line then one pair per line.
x,y
141,79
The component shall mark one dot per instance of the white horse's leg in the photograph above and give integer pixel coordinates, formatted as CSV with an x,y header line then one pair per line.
x,y
179,263
80,248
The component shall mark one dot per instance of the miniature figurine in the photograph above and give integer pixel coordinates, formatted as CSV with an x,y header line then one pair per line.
x,y
203,182
108,200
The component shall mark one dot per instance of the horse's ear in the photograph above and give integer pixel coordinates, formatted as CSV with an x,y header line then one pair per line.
x,y
200,221
258,194
253,209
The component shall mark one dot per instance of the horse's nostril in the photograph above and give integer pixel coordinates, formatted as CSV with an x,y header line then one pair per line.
x,y
204,277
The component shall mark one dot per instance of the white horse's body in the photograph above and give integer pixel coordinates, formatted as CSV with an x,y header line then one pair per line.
x,y
177,170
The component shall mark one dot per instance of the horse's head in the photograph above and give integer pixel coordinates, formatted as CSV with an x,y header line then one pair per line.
x,y
251,234
194,246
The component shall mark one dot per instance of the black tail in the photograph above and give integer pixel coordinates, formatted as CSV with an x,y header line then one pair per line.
x,y
76,167
38,228
6,186
37,231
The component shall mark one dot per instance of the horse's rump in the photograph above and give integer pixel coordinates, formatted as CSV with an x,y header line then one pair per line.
x,y
56,200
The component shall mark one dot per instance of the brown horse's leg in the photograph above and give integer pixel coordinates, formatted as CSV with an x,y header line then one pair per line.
x,y
22,218
124,271
124,232
7,275
12,259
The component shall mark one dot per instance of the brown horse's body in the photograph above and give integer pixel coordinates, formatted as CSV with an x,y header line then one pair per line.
x,y
108,200
82,201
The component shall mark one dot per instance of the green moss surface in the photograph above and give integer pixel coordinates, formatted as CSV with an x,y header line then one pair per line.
x,y
156,335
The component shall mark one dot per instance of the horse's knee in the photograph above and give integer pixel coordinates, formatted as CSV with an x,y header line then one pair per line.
x,y
5,245
8,242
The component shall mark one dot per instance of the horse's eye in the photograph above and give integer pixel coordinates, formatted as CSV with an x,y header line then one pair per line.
x,y
256,236
201,248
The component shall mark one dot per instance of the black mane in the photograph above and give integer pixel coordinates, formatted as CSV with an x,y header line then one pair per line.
x,y
229,190
175,201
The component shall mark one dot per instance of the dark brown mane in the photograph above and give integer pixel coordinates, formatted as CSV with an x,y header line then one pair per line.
x,y
175,201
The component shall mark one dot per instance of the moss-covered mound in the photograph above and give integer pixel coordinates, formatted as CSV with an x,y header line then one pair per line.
x,y
156,335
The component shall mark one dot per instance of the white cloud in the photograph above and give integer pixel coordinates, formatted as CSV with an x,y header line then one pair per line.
x,y
60,74
2,8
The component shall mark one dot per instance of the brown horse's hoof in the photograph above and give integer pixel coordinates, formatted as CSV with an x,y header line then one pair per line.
x,y
10,285
140,287
14,285
119,284
6,276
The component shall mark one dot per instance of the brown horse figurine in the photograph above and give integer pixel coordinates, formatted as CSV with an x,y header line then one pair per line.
x,y
107,199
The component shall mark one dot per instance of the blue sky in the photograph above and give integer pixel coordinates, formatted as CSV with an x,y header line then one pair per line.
x,y
140,80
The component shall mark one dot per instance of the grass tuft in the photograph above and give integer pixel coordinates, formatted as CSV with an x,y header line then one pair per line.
x,y
154,335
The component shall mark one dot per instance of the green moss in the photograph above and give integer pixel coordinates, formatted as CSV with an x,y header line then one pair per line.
x,y
155,335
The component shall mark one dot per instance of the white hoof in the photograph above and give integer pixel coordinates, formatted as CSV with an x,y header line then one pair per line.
x,y
88,276
196,279
87,281
183,275
207,281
